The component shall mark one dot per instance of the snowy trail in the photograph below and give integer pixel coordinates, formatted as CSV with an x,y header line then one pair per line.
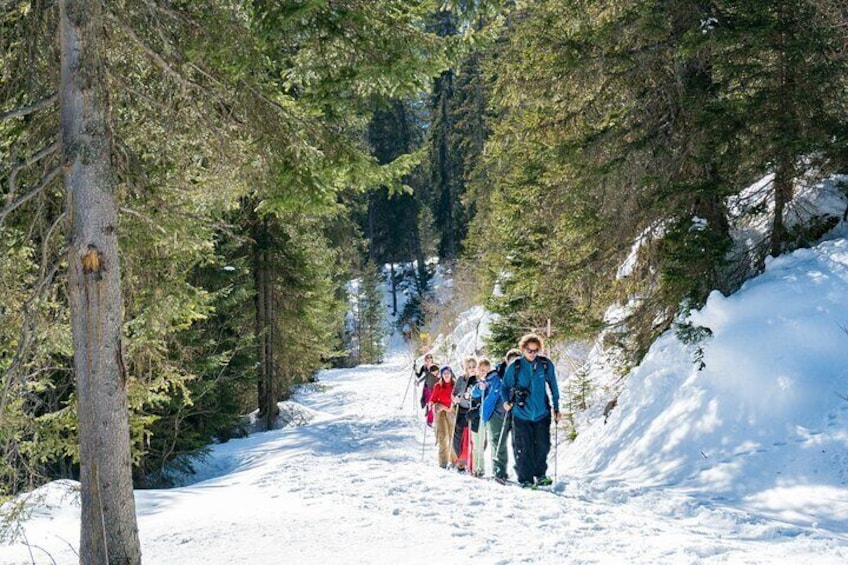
x,y
351,487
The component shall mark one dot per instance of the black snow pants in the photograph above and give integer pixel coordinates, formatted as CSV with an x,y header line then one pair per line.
x,y
531,442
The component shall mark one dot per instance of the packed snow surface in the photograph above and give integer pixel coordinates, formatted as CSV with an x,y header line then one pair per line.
x,y
742,461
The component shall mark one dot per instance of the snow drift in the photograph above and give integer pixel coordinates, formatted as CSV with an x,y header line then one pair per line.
x,y
764,424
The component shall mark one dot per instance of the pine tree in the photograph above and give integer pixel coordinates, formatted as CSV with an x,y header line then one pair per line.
x,y
622,126
211,103
369,315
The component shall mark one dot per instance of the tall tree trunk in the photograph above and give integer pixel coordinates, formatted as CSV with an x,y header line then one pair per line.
x,y
372,227
259,322
420,259
109,531
788,129
782,196
271,379
394,288
267,387
444,178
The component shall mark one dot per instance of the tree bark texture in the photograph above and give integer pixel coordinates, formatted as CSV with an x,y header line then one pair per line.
x,y
109,531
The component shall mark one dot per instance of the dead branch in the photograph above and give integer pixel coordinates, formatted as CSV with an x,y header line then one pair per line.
x,y
23,199
154,55
27,110
144,218
13,189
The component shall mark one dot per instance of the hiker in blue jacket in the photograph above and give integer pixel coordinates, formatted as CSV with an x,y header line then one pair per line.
x,y
525,395
492,415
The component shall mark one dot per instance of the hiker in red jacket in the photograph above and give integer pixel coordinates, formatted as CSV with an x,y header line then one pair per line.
x,y
445,415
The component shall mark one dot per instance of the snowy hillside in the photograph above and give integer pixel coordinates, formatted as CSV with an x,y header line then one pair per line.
x,y
764,425
744,461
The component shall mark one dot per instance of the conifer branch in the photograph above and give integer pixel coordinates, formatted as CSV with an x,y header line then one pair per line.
x,y
144,218
26,331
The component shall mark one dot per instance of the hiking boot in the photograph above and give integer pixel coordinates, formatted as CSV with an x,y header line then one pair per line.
x,y
526,484
544,481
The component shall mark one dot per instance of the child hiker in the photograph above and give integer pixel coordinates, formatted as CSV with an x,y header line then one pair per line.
x,y
445,415
492,416
429,375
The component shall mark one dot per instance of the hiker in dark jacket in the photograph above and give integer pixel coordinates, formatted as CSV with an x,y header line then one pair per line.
x,y
429,375
462,401
423,372
510,356
525,392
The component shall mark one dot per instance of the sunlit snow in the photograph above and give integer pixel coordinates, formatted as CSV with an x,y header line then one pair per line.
x,y
743,461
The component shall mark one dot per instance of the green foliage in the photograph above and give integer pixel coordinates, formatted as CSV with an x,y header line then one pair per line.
x,y
369,315
694,336
212,103
623,127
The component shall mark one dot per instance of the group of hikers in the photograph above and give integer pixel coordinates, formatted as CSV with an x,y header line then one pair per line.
x,y
475,412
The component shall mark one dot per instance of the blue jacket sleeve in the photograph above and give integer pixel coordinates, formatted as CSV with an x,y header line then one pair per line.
x,y
508,382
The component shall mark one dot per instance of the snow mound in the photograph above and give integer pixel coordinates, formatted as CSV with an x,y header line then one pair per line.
x,y
60,498
765,422
291,414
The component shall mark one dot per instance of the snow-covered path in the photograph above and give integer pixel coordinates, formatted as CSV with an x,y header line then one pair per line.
x,y
351,486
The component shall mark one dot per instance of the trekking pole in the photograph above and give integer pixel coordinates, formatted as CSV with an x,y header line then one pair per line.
x,y
504,430
424,441
409,382
556,448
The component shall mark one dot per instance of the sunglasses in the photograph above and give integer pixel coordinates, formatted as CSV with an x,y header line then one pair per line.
x,y
532,351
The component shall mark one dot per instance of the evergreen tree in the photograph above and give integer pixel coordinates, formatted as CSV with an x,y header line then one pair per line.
x,y
621,131
212,104
369,315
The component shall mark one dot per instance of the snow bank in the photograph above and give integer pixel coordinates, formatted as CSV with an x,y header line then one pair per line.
x,y
766,419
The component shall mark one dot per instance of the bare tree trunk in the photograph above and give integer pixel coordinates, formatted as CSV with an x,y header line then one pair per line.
x,y
261,323
109,532
785,170
394,289
267,387
271,385
421,260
